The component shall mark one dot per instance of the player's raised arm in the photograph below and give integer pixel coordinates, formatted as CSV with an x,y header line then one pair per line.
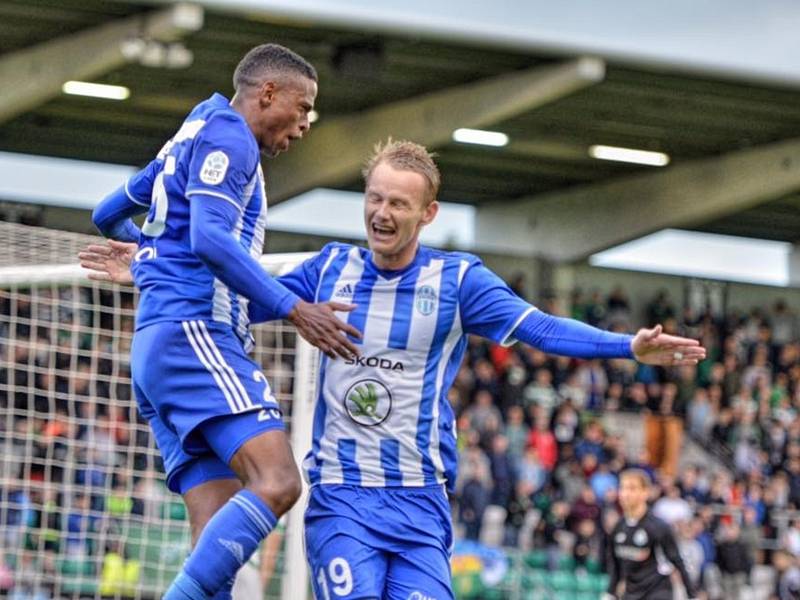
x,y
112,216
490,309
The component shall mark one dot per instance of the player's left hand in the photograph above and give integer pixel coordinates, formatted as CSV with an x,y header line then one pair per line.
x,y
654,347
109,262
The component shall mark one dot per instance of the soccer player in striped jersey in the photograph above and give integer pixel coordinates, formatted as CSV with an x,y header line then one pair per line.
x,y
384,441
214,418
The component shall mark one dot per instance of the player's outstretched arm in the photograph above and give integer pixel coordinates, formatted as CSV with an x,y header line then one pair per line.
x,y
654,347
490,309
109,262
568,337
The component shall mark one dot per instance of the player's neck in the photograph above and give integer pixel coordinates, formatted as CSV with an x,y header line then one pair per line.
x,y
239,104
395,262
636,515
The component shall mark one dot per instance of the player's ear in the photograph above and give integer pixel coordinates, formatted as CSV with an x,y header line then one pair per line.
x,y
266,94
430,212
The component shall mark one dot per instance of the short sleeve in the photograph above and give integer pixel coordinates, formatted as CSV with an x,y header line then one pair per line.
x,y
139,188
489,308
223,161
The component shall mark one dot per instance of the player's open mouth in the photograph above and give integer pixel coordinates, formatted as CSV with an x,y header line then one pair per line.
x,y
382,232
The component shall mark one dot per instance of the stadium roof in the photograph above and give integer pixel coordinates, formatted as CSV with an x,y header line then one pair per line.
x,y
552,106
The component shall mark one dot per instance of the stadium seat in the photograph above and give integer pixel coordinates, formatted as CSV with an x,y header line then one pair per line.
x,y
584,583
536,559
600,582
593,566
562,582
78,576
566,563
534,580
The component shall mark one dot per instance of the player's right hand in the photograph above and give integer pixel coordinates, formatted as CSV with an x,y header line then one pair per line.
x,y
109,262
320,326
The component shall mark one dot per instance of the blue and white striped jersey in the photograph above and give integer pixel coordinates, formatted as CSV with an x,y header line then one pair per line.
x,y
384,419
213,153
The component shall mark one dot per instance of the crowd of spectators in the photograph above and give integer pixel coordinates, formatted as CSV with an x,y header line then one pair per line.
x,y
541,447
539,454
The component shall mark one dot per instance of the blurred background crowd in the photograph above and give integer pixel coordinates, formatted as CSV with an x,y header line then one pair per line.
x,y
542,440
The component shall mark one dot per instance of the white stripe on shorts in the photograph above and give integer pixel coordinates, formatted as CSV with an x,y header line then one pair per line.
x,y
221,383
224,365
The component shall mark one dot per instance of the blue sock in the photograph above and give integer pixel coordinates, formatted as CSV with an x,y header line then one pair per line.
x,y
227,542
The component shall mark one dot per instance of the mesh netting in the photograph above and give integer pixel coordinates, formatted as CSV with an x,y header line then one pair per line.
x,y
83,506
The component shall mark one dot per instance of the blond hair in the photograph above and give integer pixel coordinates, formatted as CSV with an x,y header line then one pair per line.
x,y
634,473
405,156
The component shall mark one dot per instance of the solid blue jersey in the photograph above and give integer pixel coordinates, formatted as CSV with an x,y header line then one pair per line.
x,y
214,153
383,419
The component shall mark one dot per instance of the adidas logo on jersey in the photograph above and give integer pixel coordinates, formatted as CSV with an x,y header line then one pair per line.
x,y
234,548
344,292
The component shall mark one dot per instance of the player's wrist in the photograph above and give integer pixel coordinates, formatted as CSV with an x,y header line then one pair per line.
x,y
288,306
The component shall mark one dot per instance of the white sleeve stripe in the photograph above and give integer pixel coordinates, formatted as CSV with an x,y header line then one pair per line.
x,y
507,339
216,195
132,199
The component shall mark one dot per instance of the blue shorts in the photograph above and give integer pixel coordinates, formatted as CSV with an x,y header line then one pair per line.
x,y
202,395
391,543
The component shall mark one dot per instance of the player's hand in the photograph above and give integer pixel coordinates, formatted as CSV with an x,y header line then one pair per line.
x,y
608,596
654,347
109,262
320,326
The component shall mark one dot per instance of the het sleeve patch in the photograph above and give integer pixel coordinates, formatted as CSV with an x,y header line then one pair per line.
x,y
214,168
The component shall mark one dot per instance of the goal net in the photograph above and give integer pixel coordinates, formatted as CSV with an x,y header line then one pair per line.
x,y
84,511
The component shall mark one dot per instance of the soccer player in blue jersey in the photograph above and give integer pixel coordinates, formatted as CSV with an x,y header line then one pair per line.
x,y
214,418
384,441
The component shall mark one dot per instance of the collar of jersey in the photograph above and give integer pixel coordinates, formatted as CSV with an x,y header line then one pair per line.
x,y
422,251
221,102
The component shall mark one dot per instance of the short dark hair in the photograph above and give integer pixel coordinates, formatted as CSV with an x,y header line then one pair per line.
x,y
270,59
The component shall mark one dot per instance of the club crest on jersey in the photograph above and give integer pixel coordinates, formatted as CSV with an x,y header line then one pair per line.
x,y
368,402
640,537
214,168
426,300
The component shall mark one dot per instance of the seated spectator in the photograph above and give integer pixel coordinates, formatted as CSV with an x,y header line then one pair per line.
x,y
733,560
671,508
503,470
543,440
473,489
540,392
532,475
585,507
588,543
592,442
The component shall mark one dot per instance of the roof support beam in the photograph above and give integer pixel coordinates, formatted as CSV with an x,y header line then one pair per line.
x,y
36,74
336,149
570,225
